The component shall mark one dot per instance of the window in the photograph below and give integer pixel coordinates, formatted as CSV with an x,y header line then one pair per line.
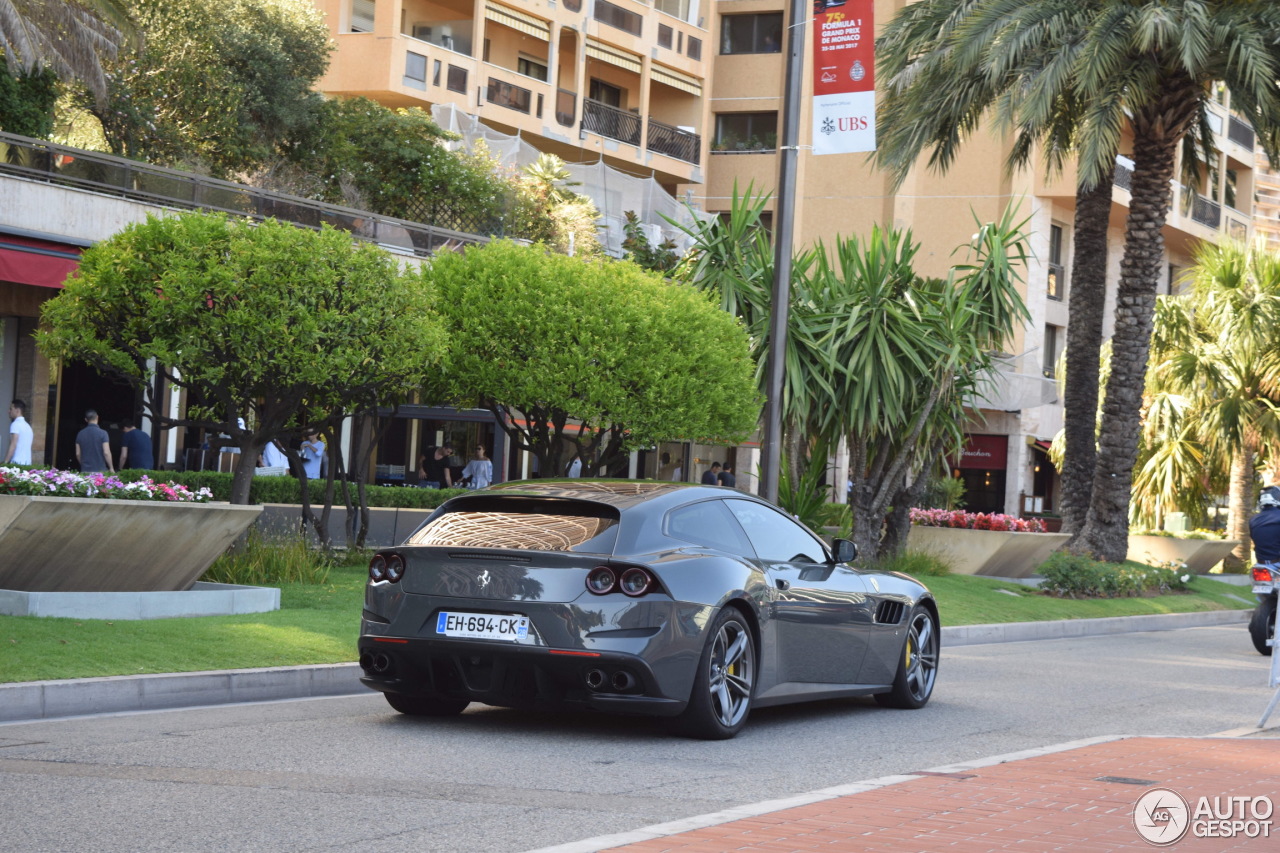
x,y
616,16
674,8
535,68
695,48
1052,337
709,524
1056,271
457,80
751,33
776,537
532,526
435,72
746,132
415,70
605,94
362,16
506,95
1229,190
665,36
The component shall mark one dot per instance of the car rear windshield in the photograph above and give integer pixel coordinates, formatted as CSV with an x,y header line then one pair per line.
x,y
523,524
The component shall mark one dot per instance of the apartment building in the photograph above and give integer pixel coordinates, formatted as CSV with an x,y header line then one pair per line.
x,y
690,93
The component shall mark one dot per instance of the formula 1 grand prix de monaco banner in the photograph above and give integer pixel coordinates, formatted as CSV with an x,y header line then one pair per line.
x,y
844,80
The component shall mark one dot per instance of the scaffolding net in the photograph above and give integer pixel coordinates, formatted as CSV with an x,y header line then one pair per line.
x,y
613,192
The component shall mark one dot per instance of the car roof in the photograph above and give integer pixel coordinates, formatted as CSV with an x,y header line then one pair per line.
x,y
621,494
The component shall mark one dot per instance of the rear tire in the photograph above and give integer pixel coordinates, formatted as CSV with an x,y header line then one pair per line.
x,y
425,706
918,664
1262,624
724,682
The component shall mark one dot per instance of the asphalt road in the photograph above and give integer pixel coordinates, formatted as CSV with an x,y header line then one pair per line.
x,y
347,773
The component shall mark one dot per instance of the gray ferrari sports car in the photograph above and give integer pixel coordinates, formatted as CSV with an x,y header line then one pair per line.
x,y
691,602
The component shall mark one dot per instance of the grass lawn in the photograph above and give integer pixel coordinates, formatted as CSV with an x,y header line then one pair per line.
x,y
319,624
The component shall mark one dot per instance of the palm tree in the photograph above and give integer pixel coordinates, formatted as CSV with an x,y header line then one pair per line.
x,y
1079,72
1216,349
71,37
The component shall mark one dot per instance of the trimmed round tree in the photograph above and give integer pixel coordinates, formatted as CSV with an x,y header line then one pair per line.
x,y
272,323
597,357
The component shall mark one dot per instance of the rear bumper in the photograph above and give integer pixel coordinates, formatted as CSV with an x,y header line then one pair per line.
x,y
507,675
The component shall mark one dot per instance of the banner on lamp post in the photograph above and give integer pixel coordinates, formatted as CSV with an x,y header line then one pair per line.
x,y
844,80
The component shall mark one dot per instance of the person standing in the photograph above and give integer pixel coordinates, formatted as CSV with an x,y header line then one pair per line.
x,y
135,448
726,477
93,446
434,471
479,471
20,435
575,467
312,454
273,456
711,476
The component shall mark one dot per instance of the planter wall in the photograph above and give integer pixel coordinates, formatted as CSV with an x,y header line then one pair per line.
x,y
388,526
1199,555
998,553
50,544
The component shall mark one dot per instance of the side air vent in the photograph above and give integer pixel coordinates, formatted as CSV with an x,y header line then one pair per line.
x,y
504,556
889,612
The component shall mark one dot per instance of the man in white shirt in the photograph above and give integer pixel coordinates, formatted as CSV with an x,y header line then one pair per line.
x,y
20,435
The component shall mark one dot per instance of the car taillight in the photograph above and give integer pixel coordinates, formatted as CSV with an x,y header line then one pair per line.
x,y
378,568
395,568
635,582
601,580
1261,574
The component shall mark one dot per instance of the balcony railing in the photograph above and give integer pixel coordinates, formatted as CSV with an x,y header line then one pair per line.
x,y
611,122
1124,173
1206,211
674,142
1240,133
566,106
92,171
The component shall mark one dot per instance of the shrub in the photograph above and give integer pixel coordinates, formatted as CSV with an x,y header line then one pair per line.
x,y
263,563
958,518
914,563
1074,576
285,490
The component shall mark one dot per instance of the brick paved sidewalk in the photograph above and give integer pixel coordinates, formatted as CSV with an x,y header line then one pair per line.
x,y
1079,800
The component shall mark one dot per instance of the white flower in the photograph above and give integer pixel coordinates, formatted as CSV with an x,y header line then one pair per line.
x,y
1185,578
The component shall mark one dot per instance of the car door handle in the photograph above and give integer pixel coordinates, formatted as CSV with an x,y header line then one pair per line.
x,y
783,584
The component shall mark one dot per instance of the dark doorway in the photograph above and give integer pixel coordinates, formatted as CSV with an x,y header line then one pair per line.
x,y
983,490
80,387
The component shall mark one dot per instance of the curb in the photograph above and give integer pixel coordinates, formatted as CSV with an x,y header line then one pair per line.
x,y
43,700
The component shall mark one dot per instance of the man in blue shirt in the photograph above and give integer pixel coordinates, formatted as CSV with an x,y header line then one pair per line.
x,y
1264,528
135,448
312,453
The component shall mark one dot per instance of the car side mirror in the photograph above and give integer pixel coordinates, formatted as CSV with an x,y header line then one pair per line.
x,y
843,551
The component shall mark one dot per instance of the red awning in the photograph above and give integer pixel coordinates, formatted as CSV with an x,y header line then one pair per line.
x,y
42,263
1041,444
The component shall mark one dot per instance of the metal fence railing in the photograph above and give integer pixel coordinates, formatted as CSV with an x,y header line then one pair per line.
x,y
611,122
38,160
674,142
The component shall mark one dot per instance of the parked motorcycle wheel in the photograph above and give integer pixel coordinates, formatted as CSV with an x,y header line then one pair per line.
x,y
1263,624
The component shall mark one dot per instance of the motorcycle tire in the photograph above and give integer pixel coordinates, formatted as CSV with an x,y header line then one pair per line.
x,y
1262,624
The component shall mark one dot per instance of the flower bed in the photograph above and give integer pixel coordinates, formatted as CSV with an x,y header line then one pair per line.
x,y
975,520
69,484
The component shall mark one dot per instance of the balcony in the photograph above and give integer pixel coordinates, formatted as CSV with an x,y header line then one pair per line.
x,y
674,142
611,122
1204,210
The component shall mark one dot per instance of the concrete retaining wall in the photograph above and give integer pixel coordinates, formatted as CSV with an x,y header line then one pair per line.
x,y
52,544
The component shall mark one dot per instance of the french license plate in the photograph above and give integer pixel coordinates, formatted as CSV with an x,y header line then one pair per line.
x,y
482,626
1262,588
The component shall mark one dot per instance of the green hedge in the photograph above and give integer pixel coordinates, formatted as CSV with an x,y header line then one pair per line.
x,y
285,490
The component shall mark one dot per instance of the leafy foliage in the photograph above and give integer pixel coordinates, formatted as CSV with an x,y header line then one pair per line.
x,y
1074,576
542,340
270,562
915,563
26,102
224,86
280,325
287,490
637,247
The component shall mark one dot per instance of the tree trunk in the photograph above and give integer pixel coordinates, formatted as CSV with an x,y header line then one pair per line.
x,y
1084,343
898,527
242,480
1157,133
1239,509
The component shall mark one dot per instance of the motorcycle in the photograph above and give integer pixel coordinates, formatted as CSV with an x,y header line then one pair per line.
x,y
1266,586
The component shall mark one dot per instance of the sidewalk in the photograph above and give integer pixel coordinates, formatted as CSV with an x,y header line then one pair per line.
x,y
1079,797
42,700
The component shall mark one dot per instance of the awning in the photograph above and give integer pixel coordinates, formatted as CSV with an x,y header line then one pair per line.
x,y
604,53
527,24
676,79
1041,444
42,263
